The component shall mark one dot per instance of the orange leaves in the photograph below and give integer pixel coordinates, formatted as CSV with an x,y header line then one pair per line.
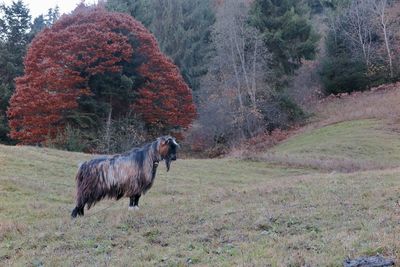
x,y
58,65
91,41
167,101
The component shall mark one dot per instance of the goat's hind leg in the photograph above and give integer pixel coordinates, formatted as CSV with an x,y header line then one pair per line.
x,y
137,201
79,209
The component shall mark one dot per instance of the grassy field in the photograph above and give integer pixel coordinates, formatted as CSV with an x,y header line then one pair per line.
x,y
344,146
223,212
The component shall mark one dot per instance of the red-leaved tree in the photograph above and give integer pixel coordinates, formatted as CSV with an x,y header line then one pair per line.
x,y
92,41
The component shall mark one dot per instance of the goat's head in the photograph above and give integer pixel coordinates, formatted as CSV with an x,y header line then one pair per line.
x,y
167,148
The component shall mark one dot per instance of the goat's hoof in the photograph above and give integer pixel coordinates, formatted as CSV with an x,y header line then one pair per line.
x,y
134,208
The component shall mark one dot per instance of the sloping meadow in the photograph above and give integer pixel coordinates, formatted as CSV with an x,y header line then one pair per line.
x,y
203,212
344,146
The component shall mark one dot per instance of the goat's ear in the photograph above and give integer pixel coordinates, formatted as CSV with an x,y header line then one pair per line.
x,y
173,141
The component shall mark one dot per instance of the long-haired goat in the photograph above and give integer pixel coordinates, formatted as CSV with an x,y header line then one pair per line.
x,y
130,174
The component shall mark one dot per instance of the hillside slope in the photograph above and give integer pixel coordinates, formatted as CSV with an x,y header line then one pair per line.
x,y
350,133
344,146
221,212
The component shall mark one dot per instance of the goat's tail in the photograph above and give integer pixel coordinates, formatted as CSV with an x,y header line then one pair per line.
x,y
80,204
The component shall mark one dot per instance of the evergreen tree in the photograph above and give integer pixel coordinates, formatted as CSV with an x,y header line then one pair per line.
x,y
14,26
356,49
53,14
39,23
43,21
341,72
182,29
14,37
287,32
141,10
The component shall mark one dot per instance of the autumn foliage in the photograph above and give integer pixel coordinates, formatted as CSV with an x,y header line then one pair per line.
x,y
62,59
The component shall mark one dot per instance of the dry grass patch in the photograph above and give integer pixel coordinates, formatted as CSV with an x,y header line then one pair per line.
x,y
379,103
323,163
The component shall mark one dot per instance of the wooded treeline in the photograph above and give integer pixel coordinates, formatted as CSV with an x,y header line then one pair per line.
x,y
252,65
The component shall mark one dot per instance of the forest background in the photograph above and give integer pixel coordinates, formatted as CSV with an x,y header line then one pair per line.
x,y
246,70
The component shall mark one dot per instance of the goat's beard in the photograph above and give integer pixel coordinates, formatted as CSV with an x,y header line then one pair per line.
x,y
168,163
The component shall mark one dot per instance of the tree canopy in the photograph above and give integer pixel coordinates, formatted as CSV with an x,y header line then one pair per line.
x,y
14,37
287,32
182,28
87,59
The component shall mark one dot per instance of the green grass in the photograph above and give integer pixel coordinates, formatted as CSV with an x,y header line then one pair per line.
x,y
221,212
361,144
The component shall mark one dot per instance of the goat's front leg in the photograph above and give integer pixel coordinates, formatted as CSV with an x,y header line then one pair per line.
x,y
134,202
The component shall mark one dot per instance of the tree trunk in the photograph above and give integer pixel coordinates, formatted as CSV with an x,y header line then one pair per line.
x,y
108,129
384,29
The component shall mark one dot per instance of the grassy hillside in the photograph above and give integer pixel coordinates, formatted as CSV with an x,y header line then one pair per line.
x,y
343,146
348,133
203,212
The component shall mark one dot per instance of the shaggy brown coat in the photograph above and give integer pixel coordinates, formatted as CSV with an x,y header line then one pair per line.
x,y
124,175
